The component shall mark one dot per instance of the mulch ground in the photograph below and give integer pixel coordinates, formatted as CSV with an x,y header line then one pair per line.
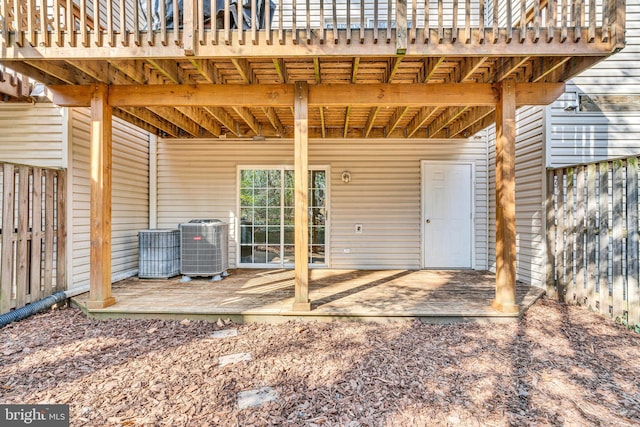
x,y
559,366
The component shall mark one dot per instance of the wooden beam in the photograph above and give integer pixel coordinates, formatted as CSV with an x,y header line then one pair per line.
x,y
274,120
35,73
248,118
201,118
301,172
448,116
505,199
396,119
242,66
354,69
135,70
469,66
470,118
347,117
150,118
205,68
546,66
431,66
60,71
394,66
168,69
100,212
179,119
506,66
323,128
482,124
225,118
327,95
316,70
371,120
281,70
419,120
124,115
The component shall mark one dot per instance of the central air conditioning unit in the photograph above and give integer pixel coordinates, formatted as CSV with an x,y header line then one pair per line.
x,y
203,249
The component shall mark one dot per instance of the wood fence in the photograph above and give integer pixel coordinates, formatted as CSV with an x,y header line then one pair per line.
x,y
592,237
33,234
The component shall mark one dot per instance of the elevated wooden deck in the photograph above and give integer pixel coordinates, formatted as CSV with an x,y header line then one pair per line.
x,y
410,42
267,295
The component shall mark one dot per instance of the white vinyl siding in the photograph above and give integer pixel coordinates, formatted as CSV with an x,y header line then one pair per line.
x,y
530,181
32,134
130,202
576,137
197,179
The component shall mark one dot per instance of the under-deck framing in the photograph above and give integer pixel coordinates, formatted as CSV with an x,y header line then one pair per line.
x,y
412,69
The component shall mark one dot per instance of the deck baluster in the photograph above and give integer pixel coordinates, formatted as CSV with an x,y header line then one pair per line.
x,y
536,21
200,20
440,21
592,21
70,24
44,23
17,23
563,23
427,28
294,29
414,21
509,23
362,21
136,23
467,21
31,22
348,21
375,21
523,20
481,22
496,28
124,36
552,19
454,27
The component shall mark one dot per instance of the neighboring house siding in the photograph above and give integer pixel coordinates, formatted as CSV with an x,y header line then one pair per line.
x,y
530,181
576,137
197,179
32,134
130,187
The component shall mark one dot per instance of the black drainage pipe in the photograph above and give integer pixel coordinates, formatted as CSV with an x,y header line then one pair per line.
x,y
33,308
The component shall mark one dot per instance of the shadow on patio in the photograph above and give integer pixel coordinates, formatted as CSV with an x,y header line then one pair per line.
x,y
267,295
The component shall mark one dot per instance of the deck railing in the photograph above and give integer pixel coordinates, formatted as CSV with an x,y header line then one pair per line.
x,y
592,237
122,23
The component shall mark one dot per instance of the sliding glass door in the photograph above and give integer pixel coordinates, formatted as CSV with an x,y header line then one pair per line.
x,y
267,217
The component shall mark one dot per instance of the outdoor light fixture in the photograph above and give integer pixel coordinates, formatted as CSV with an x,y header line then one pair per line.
x,y
346,177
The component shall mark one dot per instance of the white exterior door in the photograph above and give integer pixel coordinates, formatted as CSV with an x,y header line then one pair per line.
x,y
447,214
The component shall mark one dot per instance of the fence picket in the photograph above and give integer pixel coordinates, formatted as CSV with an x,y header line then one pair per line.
x,y
618,234
36,235
6,273
603,233
22,241
561,241
552,236
633,292
570,295
591,247
580,235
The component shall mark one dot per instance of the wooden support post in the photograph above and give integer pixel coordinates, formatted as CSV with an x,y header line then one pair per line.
x,y
301,172
505,198
100,253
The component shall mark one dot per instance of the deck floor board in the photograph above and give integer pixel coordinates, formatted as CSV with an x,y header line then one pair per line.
x,y
267,295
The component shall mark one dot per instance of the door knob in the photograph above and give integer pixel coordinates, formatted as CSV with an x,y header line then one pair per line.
x,y
428,221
